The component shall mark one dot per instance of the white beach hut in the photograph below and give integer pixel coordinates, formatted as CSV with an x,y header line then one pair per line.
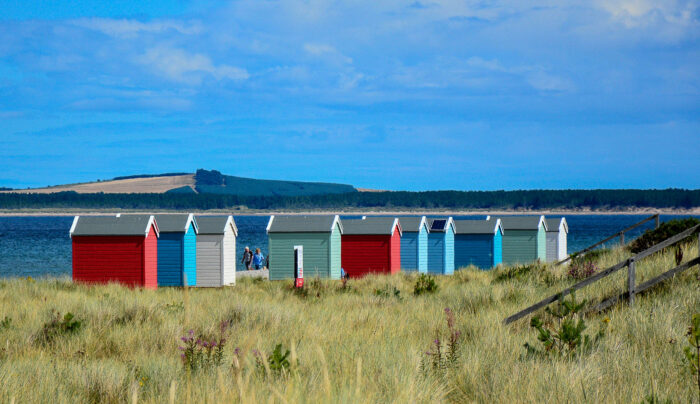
x,y
216,251
557,231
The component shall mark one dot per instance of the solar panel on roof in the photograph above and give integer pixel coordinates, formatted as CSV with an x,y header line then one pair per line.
x,y
438,224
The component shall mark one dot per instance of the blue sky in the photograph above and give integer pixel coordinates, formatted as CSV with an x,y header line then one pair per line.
x,y
411,95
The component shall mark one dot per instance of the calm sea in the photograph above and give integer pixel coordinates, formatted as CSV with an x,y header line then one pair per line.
x,y
39,246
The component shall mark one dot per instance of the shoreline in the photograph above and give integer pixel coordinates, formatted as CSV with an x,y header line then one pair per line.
x,y
412,212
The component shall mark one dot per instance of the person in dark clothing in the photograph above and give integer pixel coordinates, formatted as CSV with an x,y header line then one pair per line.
x,y
247,258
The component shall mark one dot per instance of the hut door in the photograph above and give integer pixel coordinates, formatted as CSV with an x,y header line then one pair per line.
x,y
299,266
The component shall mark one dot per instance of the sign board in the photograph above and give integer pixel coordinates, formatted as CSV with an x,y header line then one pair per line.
x,y
299,266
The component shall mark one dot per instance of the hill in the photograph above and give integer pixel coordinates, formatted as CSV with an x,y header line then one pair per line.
x,y
366,342
213,182
203,182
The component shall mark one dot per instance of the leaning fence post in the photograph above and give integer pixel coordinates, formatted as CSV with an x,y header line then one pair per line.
x,y
622,238
631,281
657,220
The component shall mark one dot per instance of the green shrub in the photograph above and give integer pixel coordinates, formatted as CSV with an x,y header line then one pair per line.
x,y
425,284
277,361
388,291
5,323
56,327
692,352
665,230
566,337
445,352
516,272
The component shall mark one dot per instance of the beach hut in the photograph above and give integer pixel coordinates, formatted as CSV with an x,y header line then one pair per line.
x,y
216,251
414,244
371,245
177,250
478,243
441,246
120,248
320,238
524,239
557,231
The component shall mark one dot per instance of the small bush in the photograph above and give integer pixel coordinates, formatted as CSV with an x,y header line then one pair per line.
x,y
425,284
57,327
667,229
692,352
443,355
516,272
277,362
567,336
582,269
200,352
388,291
5,323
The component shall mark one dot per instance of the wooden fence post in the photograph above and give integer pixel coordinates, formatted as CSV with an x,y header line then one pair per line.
x,y
657,221
622,238
631,280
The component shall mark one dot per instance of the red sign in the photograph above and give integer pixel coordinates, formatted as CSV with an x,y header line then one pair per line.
x,y
299,282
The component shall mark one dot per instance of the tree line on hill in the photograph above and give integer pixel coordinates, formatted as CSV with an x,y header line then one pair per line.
x,y
534,199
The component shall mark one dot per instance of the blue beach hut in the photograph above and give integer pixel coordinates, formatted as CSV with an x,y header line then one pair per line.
x,y
478,243
177,250
441,246
414,244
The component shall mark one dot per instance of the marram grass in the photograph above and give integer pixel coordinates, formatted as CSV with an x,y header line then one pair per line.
x,y
346,345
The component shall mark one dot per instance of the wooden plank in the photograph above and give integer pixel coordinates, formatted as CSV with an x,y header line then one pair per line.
x,y
603,274
666,243
644,286
607,303
667,275
631,280
555,297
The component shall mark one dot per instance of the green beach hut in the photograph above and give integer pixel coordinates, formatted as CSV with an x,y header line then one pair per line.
x,y
524,239
320,237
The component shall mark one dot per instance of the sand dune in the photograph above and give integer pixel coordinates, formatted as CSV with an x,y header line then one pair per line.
x,y
127,186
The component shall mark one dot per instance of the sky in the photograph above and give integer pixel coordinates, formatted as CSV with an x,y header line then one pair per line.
x,y
399,95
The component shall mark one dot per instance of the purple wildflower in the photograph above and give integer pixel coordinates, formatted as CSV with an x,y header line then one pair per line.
x,y
183,339
213,344
181,348
437,341
237,351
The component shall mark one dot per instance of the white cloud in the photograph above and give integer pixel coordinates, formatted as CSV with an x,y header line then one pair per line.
x,y
679,14
179,65
125,28
547,82
316,49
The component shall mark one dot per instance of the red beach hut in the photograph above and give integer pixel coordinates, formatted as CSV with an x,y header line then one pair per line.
x,y
371,245
121,248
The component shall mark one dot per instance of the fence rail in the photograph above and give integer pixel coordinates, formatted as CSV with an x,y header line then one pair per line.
x,y
620,234
632,288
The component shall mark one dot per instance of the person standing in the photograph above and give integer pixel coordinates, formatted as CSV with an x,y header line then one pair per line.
x,y
258,259
247,258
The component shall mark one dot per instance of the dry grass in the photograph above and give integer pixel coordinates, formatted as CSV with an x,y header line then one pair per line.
x,y
352,346
127,186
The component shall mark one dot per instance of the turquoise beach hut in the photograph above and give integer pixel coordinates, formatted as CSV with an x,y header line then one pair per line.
x,y
441,246
177,250
524,239
414,244
478,243
320,239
